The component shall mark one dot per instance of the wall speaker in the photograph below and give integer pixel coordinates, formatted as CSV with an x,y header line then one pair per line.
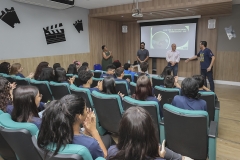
x,y
211,23
124,29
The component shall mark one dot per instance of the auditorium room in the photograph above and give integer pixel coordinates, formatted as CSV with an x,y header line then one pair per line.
x,y
119,79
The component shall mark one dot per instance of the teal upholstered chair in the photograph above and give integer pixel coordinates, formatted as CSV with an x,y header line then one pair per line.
x,y
86,94
187,132
97,73
128,76
59,90
95,81
44,89
10,78
132,87
152,108
122,87
19,137
157,81
22,81
213,106
108,109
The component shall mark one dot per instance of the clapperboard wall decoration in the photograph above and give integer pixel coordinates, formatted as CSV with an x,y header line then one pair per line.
x,y
9,16
54,34
78,25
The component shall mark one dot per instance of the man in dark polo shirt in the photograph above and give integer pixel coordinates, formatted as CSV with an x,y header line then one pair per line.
x,y
142,54
206,60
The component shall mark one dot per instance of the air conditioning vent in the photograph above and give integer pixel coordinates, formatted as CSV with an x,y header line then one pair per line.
x,y
56,4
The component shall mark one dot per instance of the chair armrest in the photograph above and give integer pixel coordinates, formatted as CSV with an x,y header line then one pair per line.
x,y
161,122
100,158
217,105
213,129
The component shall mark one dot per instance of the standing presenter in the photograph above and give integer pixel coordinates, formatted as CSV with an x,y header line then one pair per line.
x,y
173,58
142,55
206,60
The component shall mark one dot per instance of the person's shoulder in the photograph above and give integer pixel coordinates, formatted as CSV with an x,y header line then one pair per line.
x,y
112,151
151,98
84,140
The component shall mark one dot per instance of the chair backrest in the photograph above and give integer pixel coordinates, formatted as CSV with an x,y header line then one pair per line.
x,y
167,94
19,134
22,81
70,152
97,74
132,87
128,76
122,87
95,81
83,92
44,89
59,90
10,78
135,78
69,76
150,106
157,81
209,97
186,131
97,67
6,152
109,110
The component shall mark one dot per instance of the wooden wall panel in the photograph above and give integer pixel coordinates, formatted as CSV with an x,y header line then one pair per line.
x,y
30,64
105,32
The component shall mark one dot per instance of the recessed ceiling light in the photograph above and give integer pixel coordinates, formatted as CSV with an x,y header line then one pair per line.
x,y
122,16
151,13
187,9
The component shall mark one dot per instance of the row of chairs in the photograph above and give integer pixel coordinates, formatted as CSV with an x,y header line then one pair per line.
x,y
18,141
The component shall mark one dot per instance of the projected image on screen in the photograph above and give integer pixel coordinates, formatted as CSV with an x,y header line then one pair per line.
x,y
158,39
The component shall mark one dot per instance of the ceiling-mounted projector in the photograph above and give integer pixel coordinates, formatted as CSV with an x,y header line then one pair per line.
x,y
137,13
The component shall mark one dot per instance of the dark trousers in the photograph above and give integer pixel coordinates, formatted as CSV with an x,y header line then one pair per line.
x,y
174,69
209,75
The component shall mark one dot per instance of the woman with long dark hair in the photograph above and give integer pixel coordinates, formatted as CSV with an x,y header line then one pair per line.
x,y
108,86
46,74
72,69
144,91
5,67
61,125
137,139
26,100
106,57
61,75
39,69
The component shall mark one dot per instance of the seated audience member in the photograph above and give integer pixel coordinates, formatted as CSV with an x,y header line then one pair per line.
x,y
5,67
83,68
138,140
117,64
171,82
128,70
71,112
55,66
61,75
144,91
39,69
167,71
16,69
85,64
25,102
86,79
200,80
189,100
120,74
77,64
46,74
108,86
110,71
72,69
6,90
144,68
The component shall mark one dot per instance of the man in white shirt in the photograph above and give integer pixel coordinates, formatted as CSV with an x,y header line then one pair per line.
x,y
173,58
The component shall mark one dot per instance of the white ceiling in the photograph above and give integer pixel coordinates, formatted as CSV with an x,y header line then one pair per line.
x,y
91,4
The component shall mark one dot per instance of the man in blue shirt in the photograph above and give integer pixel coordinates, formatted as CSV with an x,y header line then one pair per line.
x,y
110,72
206,60
189,100
128,70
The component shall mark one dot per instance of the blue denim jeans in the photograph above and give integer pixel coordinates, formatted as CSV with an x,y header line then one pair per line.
x,y
174,69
